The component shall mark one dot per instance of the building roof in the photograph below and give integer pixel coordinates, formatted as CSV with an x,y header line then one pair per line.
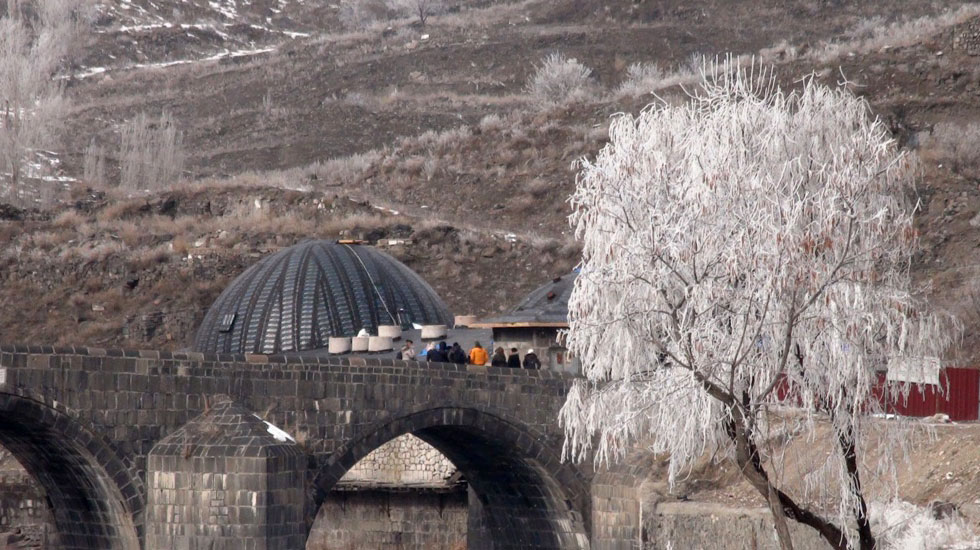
x,y
297,298
545,306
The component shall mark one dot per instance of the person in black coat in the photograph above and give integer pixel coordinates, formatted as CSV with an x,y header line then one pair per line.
x,y
531,360
514,360
457,355
438,354
498,359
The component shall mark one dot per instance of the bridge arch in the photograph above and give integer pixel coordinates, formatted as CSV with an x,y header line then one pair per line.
x,y
95,501
530,499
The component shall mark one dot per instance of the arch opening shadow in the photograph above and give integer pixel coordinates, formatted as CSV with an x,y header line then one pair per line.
x,y
528,498
85,482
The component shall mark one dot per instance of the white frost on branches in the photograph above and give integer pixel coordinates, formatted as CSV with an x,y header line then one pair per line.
x,y
747,236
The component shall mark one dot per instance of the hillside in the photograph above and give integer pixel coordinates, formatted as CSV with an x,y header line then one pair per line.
x,y
297,125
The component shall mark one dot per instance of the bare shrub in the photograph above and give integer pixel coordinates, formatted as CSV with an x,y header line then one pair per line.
x,y
36,40
419,9
559,80
782,51
905,525
93,168
347,170
641,78
151,153
647,78
491,123
361,14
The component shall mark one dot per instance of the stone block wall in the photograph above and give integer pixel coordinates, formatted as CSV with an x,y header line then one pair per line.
x,y
226,482
616,511
24,513
405,461
707,525
391,520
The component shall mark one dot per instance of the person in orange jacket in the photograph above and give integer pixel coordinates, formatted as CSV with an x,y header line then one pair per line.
x,y
478,355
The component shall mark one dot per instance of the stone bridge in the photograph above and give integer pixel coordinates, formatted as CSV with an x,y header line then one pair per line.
x,y
84,422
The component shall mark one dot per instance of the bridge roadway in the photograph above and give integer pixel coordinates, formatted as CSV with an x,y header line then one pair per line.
x,y
83,421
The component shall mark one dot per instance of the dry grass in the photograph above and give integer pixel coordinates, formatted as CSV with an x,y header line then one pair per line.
x,y
957,143
874,34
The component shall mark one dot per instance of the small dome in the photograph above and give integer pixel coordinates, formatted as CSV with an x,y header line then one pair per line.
x,y
297,298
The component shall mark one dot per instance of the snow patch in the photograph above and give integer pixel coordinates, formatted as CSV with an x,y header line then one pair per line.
x,y
224,54
902,525
276,432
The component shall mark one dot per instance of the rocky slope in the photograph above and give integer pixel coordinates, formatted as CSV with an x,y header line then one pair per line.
x,y
335,129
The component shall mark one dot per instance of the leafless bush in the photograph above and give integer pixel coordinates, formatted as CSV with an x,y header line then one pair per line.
x,y
641,78
559,80
151,153
361,14
344,171
36,40
93,167
420,9
491,123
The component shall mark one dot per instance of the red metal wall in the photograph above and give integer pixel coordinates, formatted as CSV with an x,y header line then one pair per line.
x,y
962,397
959,398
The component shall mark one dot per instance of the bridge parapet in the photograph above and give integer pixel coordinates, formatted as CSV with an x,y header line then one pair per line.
x,y
498,425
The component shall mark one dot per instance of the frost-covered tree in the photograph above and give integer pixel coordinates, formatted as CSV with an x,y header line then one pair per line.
x,y
746,244
36,38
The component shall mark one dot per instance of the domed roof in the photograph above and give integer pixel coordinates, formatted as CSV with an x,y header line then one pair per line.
x,y
546,305
297,298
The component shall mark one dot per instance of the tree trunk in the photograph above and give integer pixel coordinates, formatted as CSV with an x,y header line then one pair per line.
x,y
750,464
779,520
865,538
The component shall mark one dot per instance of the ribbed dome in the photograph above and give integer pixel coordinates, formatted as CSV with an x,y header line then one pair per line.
x,y
297,298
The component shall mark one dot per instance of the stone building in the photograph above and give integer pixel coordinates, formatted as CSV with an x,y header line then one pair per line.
x,y
405,494
224,477
535,323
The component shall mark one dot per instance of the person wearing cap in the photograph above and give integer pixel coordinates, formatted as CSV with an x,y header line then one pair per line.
x,y
531,360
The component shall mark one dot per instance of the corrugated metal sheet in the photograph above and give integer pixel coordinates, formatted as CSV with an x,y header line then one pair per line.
x,y
922,401
962,399
959,396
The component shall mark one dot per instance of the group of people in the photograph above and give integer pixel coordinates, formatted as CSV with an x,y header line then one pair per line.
x,y
477,356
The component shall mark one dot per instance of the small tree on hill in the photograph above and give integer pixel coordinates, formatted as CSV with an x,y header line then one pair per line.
x,y
420,9
748,243
36,38
151,152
